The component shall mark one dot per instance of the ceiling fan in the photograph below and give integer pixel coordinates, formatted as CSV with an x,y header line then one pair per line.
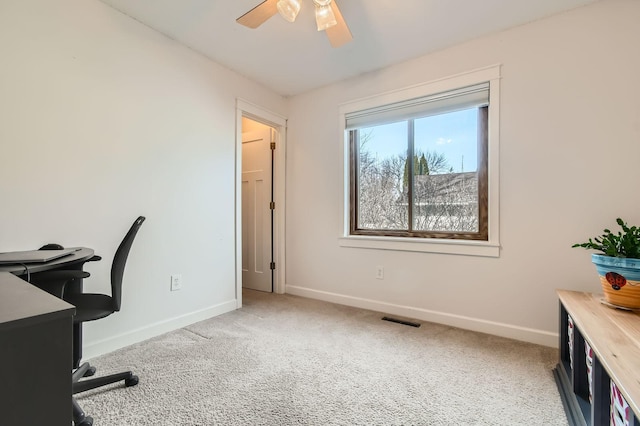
x,y
328,17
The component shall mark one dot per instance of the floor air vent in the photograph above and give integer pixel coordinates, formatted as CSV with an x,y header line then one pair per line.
x,y
399,321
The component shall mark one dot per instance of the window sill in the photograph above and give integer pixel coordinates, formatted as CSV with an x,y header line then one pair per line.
x,y
465,248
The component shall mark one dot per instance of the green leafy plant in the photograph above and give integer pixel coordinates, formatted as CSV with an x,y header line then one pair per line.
x,y
625,243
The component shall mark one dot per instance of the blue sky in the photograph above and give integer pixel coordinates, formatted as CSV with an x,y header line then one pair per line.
x,y
453,134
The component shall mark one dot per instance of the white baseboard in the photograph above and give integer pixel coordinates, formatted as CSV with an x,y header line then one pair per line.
x,y
530,335
113,343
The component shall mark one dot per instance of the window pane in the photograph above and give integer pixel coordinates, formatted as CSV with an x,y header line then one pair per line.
x,y
380,180
445,166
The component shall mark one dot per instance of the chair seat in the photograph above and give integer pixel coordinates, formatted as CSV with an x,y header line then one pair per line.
x,y
90,306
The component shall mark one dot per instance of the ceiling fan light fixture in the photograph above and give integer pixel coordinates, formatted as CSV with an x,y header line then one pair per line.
x,y
289,9
328,17
324,16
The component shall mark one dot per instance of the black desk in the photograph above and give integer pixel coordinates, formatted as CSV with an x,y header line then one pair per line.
x,y
74,261
35,355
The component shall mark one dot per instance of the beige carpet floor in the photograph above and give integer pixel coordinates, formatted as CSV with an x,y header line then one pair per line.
x,y
286,360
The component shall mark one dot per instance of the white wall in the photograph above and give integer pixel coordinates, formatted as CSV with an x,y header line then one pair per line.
x,y
102,120
569,150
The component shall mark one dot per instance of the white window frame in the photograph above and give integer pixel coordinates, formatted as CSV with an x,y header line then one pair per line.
x,y
489,248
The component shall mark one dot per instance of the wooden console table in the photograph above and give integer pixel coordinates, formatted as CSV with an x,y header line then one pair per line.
x,y
587,379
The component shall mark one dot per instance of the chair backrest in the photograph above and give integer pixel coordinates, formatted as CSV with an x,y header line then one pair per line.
x,y
119,261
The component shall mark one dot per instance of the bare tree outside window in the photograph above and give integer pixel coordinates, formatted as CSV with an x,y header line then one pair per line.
x,y
380,187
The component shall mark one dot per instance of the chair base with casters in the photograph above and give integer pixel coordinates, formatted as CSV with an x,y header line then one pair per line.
x,y
79,385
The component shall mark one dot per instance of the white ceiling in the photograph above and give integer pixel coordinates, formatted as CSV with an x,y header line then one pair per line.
x,y
292,58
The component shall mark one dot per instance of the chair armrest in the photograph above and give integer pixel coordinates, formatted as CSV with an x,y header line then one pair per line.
x,y
63,274
54,282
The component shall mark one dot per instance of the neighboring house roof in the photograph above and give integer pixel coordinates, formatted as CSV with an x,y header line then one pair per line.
x,y
447,188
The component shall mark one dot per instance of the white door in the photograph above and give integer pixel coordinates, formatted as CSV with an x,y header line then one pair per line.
x,y
256,210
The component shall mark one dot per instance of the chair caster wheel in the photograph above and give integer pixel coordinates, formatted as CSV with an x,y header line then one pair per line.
x,y
90,372
88,421
132,381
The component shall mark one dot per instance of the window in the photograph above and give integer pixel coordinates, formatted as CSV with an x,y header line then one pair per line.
x,y
418,163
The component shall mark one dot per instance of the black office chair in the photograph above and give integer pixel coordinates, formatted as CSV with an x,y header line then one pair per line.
x,y
90,307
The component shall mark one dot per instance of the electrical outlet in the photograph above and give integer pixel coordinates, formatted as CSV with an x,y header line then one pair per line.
x,y
176,282
380,272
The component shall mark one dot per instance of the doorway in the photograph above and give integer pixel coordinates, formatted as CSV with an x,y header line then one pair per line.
x,y
251,118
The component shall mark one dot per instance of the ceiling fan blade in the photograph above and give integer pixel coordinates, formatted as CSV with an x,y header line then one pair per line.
x,y
338,34
259,14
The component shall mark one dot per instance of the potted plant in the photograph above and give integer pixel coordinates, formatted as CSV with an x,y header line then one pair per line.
x,y
618,265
